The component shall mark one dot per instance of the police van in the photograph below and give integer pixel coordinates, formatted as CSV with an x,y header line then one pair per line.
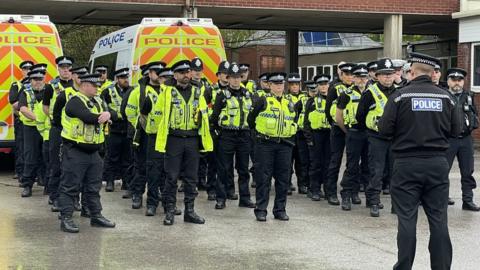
x,y
161,39
23,37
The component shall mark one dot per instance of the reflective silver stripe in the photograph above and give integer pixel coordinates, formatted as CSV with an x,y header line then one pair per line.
x,y
423,95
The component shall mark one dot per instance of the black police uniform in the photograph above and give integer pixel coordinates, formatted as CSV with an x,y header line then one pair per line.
x,y
33,145
273,157
420,117
337,141
232,142
119,148
318,141
356,172
462,146
379,156
13,96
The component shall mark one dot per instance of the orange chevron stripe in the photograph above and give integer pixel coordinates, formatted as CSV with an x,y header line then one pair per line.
x,y
211,31
213,55
148,30
4,101
5,74
171,30
46,28
4,27
21,28
17,72
147,55
189,30
48,54
22,53
170,56
206,70
4,52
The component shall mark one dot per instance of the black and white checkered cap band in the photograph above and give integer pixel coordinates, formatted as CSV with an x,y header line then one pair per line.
x,y
311,86
277,78
166,73
101,68
456,75
156,67
263,78
423,61
80,71
27,65
182,67
37,75
94,80
65,61
294,79
361,71
322,79
122,74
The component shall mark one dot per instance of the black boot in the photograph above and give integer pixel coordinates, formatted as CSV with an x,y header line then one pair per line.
x,y
470,206
85,212
356,199
374,210
211,196
346,202
302,190
333,200
110,187
151,211
315,197
68,225
127,194
450,201
100,221
55,207
220,204
190,216
169,215
137,201
27,192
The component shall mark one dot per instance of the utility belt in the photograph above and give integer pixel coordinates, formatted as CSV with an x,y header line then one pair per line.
x,y
235,132
278,140
183,133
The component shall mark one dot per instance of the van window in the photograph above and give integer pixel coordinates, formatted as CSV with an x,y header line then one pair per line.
x,y
108,59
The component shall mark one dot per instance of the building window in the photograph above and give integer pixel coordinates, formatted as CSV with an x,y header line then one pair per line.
x,y
271,63
476,67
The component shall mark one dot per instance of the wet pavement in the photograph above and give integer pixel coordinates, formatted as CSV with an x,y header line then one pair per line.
x,y
318,236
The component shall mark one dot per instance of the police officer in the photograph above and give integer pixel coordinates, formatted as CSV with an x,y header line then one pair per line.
x,y
64,80
105,82
372,69
317,134
370,109
82,135
246,83
56,110
229,119
298,157
337,136
398,79
155,173
135,101
119,152
420,117
356,142
13,95
273,118
30,101
462,145
183,132
210,95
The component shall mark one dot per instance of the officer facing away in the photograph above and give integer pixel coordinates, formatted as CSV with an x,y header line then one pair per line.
x,y
420,118
462,146
83,135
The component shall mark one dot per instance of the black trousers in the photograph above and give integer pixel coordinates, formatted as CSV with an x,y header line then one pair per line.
x,y
82,172
207,169
462,148
356,143
33,145
421,180
55,164
19,155
118,156
140,158
378,159
181,153
272,160
46,163
300,160
337,145
233,147
155,172
319,159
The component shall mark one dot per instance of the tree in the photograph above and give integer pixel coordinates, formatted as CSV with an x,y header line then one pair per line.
x,y
78,40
